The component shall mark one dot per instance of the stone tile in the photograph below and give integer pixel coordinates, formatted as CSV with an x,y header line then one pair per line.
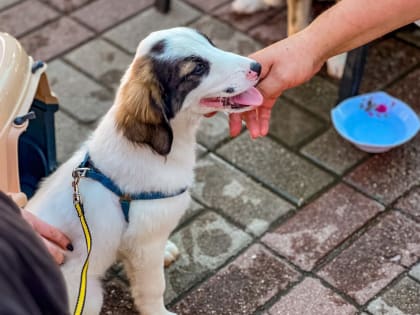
x,y
310,297
292,125
131,32
213,130
200,150
244,22
117,299
333,152
401,299
225,37
272,30
67,6
6,3
101,60
69,135
407,90
410,34
410,203
241,287
318,96
55,38
220,186
192,210
275,166
386,61
376,258
415,272
79,95
103,14
322,225
25,16
205,244
206,5
387,176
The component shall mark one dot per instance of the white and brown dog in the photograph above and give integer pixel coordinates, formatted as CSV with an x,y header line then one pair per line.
x,y
145,144
298,17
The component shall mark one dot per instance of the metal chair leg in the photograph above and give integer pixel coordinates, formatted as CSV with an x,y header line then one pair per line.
x,y
353,73
163,6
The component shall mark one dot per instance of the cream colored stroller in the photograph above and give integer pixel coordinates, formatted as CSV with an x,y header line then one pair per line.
x,y
27,107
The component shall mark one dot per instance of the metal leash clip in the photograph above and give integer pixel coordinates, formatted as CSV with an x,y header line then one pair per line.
x,y
77,174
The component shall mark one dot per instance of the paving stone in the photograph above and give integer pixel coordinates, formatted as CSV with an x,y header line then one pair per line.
x,y
6,3
401,299
272,30
69,135
376,258
220,186
322,225
54,39
67,6
292,125
103,14
117,299
275,166
318,96
79,95
410,203
206,5
386,61
192,210
310,297
200,150
25,16
333,152
415,272
131,32
243,22
213,130
387,176
407,90
205,244
101,60
225,37
411,34
241,287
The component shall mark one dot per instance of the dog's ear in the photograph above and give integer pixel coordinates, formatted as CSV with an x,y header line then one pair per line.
x,y
141,110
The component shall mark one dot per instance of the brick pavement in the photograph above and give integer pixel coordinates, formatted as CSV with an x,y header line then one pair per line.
x,y
305,224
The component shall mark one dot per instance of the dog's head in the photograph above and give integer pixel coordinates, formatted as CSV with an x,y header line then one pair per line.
x,y
178,70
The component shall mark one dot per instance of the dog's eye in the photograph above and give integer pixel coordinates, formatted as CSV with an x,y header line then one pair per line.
x,y
199,69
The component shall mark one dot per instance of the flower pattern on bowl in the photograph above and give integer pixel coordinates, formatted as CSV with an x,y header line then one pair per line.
x,y
378,110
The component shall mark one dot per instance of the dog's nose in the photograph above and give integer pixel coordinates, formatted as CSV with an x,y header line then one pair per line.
x,y
256,67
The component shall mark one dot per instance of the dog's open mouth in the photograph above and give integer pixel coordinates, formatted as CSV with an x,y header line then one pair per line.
x,y
251,97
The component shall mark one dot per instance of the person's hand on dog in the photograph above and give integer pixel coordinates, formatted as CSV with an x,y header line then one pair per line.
x,y
54,239
284,65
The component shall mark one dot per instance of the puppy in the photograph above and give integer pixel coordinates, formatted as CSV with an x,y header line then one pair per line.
x,y
298,17
145,144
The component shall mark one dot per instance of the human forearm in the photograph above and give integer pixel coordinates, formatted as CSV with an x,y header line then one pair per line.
x,y
352,23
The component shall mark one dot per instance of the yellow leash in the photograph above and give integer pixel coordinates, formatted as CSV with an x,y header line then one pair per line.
x,y
78,205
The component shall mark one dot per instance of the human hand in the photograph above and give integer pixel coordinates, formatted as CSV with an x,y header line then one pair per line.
x,y
285,64
53,238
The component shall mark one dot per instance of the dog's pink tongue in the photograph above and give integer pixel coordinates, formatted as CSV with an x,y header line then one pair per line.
x,y
251,97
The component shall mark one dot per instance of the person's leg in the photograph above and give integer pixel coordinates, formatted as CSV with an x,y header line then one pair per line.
x,y
30,281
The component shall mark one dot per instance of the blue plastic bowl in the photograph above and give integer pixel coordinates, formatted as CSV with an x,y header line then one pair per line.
x,y
375,122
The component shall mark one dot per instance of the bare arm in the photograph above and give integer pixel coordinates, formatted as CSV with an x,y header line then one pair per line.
x,y
294,60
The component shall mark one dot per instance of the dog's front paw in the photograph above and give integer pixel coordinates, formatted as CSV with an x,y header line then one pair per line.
x,y
248,6
171,254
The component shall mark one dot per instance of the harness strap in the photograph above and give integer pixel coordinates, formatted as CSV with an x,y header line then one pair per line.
x,y
125,199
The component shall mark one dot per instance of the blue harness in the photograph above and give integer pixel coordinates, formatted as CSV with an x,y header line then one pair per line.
x,y
90,171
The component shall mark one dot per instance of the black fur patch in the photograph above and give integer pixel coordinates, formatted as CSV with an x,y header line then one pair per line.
x,y
159,47
175,87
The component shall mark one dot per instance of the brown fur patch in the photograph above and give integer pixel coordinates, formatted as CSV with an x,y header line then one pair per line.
x,y
186,68
140,115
